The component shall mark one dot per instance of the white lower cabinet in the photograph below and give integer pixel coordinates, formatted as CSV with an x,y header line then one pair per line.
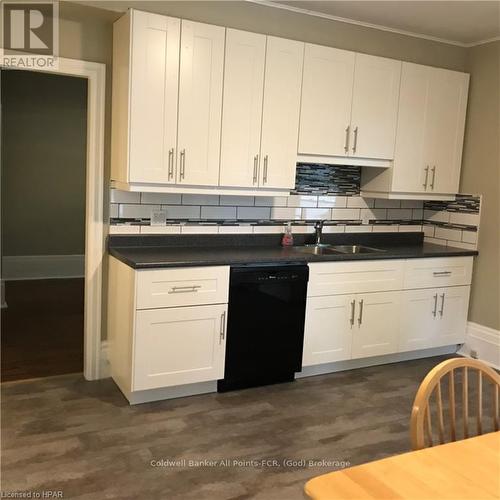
x,y
453,306
328,329
180,345
376,326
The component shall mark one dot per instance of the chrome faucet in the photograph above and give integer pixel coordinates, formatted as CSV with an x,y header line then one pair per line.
x,y
318,227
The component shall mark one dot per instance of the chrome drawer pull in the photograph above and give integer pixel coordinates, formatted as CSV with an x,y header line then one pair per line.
x,y
434,312
222,327
184,289
353,308
442,305
441,273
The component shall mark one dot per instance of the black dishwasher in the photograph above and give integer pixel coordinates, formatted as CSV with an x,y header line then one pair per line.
x,y
265,328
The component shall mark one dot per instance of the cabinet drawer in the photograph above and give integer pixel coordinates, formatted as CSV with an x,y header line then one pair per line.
x,y
182,287
443,271
331,278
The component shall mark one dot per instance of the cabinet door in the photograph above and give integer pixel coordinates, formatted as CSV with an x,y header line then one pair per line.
x,y
242,111
325,112
328,329
179,346
200,103
445,128
375,106
280,120
154,74
409,156
418,319
451,318
376,329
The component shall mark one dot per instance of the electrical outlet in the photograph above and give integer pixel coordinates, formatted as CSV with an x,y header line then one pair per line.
x,y
473,354
158,217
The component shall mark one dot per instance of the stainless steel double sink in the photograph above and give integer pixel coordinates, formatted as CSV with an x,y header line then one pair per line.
x,y
325,249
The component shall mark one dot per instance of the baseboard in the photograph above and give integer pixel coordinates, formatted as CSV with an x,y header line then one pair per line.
x,y
483,343
351,364
31,267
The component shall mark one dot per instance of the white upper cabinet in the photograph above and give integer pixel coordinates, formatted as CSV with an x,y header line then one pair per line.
x,y
145,97
430,130
375,107
200,103
242,111
280,116
349,104
325,115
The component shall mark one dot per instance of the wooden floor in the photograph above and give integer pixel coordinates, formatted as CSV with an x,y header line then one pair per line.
x,y
63,433
42,328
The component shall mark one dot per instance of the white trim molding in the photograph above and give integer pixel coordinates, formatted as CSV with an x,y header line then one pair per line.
x,y
95,74
483,343
33,267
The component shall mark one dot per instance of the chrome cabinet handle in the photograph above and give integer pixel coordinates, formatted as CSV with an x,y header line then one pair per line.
x,y
355,145
266,163
255,168
346,142
222,334
435,304
184,289
183,164
442,305
170,163
353,308
360,319
433,169
441,273
426,176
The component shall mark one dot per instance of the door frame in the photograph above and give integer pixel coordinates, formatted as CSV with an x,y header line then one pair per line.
x,y
95,74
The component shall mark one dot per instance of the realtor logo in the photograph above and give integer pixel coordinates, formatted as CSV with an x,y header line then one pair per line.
x,y
30,34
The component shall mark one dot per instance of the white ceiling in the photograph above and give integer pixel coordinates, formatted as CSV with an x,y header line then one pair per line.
x,y
461,22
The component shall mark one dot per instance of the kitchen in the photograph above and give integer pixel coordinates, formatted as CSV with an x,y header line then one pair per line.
x,y
291,215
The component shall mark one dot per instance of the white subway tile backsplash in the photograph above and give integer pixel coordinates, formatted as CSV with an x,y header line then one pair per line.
x,y
316,213
332,201
182,212
382,203
200,199
237,201
448,234
170,229
333,229
410,228
469,237
360,202
460,244
161,198
136,211
304,229
295,200
244,229
254,213
220,213
367,214
436,216
268,229
399,213
428,230
382,228
412,204
124,229
345,213
435,241
358,229
117,196
199,229
113,210
286,213
464,218
417,214
270,201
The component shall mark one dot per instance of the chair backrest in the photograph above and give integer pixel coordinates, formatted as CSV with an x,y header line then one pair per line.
x,y
421,415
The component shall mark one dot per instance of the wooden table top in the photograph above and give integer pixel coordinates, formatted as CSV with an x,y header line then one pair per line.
x,y
467,469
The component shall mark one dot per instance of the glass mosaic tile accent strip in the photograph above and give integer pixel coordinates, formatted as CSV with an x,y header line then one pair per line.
x,y
321,179
464,203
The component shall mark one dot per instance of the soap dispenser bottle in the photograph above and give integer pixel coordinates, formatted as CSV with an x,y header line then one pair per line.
x,y
287,239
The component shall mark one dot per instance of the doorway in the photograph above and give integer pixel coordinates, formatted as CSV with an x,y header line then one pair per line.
x,y
44,134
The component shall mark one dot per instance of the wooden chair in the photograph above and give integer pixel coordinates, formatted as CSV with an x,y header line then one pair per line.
x,y
421,415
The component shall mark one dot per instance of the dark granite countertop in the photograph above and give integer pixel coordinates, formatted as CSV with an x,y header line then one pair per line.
x,y
144,252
